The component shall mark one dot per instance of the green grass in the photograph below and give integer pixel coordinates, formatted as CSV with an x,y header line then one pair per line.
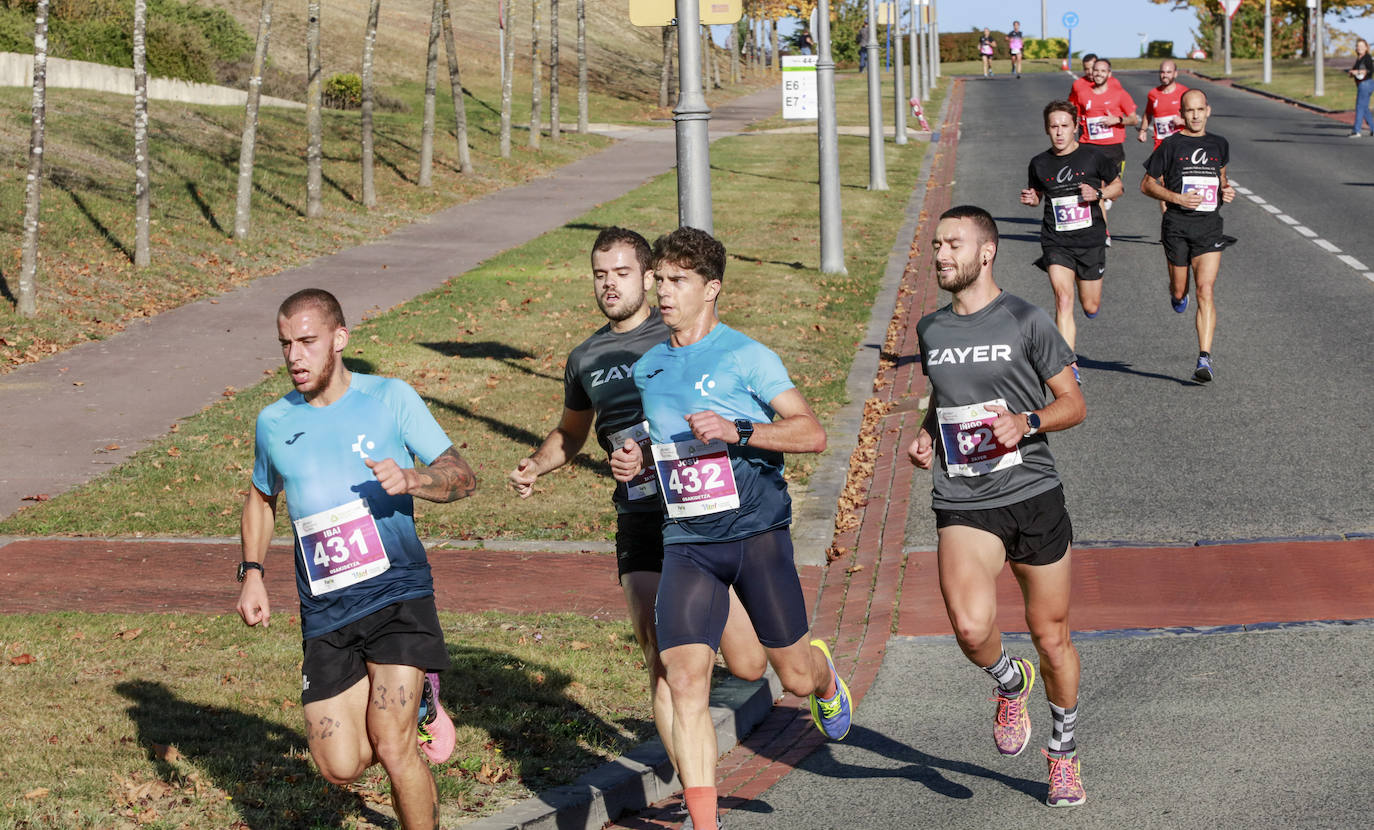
x,y
851,103
182,720
486,350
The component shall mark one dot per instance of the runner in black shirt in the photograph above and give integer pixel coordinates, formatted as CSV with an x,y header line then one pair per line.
x,y
986,45
1188,172
1072,180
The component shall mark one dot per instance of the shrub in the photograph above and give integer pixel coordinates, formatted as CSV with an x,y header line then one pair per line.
x,y
1160,49
963,46
1053,47
343,91
16,31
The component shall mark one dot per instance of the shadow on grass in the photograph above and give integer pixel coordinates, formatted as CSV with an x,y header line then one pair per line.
x,y
523,437
205,209
6,291
260,764
791,180
99,226
526,709
494,350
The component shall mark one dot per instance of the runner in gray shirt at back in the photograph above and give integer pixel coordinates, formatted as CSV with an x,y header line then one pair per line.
x,y
989,357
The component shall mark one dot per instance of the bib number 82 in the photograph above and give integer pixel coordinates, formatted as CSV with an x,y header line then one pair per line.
x,y
977,440
691,481
341,552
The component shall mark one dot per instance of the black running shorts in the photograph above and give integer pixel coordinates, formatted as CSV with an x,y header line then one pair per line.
x,y
406,633
638,542
1187,238
1036,531
1085,263
693,593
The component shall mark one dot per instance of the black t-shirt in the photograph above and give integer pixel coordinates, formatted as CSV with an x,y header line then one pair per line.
x,y
1069,222
600,376
1183,163
985,44
1366,63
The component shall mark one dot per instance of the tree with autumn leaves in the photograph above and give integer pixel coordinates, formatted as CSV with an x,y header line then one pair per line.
x,y
1291,20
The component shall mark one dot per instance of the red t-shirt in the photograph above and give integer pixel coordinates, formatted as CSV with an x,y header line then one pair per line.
x,y
1083,85
1093,106
1160,109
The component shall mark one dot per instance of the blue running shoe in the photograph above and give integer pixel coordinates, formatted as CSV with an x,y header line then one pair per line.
x,y
1203,373
435,732
1077,377
832,716
1094,314
1179,305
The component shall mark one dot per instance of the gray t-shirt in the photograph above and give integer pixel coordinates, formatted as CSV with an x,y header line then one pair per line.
x,y
1002,353
600,376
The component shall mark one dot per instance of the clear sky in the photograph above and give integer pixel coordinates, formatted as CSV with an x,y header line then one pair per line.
x,y
1109,27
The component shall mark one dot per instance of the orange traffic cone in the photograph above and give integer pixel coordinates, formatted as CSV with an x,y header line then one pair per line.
x,y
1064,64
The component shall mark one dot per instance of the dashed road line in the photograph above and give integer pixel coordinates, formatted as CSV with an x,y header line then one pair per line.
x,y
1317,240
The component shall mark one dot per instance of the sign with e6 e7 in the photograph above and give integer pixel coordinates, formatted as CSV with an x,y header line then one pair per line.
x,y
664,12
799,87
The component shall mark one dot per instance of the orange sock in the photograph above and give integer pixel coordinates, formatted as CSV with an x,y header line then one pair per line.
x,y
701,806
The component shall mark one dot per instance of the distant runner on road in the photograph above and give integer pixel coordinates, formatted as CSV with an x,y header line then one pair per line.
x,y
1015,44
1163,105
598,385
986,44
989,357
722,411
1072,180
1188,171
340,446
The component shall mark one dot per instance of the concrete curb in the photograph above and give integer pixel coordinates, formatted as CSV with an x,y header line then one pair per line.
x,y
640,777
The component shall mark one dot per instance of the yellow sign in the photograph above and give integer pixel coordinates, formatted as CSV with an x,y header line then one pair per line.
x,y
663,12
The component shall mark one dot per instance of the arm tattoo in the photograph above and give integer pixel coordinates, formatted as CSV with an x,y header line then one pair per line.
x,y
448,478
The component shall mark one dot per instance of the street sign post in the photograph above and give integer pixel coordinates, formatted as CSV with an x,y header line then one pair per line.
x,y
1070,21
799,87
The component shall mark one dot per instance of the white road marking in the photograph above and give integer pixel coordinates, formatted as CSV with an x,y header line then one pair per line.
x,y
1286,219
1305,231
1352,262
1271,208
1252,197
1326,246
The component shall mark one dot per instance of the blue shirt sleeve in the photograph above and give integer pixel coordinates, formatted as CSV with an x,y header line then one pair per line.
x,y
766,375
265,476
424,437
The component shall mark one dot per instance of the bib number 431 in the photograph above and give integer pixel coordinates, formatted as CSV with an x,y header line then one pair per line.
x,y
340,551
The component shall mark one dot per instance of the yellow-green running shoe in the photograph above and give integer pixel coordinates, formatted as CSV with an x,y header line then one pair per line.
x,y
832,716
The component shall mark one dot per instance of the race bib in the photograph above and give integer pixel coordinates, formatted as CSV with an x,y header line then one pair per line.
x,y
645,484
1070,213
1165,127
341,547
1014,44
1208,185
985,49
969,446
696,478
1097,127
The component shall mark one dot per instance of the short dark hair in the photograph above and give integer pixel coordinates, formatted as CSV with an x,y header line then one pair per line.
x,y
1091,56
1104,60
316,298
612,236
1060,106
982,220
693,249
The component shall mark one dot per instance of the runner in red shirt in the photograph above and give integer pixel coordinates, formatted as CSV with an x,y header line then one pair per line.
x,y
1084,83
1163,105
1104,113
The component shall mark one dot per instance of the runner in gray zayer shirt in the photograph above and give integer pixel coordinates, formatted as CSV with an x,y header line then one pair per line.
x,y
599,383
989,357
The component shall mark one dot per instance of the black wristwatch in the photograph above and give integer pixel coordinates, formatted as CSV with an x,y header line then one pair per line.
x,y
244,566
1032,423
1099,193
745,428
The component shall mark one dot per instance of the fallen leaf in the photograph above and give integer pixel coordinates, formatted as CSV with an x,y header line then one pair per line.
x,y
128,633
78,383
23,660
37,497
854,569
166,753
111,447
578,645
41,792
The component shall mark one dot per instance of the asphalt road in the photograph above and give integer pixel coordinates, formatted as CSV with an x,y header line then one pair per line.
x,y
1276,447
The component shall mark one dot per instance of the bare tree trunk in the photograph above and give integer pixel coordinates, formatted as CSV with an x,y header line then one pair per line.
x,y
460,110
314,106
28,269
582,114
243,208
554,126
536,75
431,81
141,198
508,70
704,38
715,60
777,55
666,71
369,45
732,49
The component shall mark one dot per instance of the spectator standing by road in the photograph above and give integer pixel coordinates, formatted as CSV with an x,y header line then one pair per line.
x,y
1363,73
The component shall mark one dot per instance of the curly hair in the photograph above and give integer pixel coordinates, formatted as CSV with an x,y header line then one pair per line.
x,y
692,249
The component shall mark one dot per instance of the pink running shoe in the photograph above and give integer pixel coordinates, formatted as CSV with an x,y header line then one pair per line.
x,y
436,733
1011,728
1066,781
